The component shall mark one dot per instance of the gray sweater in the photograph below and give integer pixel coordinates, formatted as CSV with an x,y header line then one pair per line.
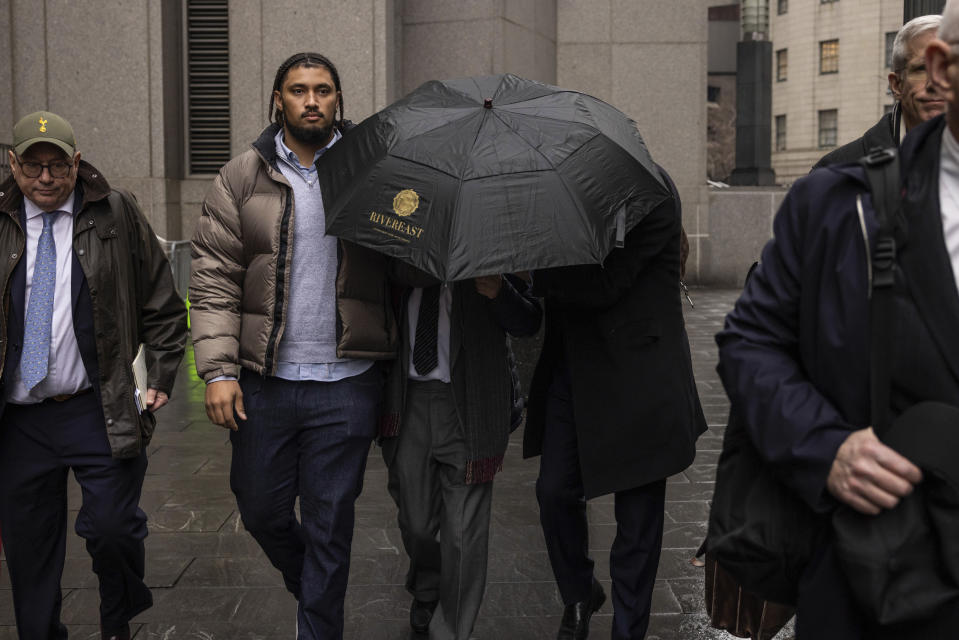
x,y
310,334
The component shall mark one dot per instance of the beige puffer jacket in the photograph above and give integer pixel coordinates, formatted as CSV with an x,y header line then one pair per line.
x,y
239,280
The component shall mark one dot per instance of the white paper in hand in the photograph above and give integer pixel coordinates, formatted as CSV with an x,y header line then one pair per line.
x,y
140,378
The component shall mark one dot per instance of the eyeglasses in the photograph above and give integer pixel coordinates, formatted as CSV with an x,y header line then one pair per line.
x,y
57,169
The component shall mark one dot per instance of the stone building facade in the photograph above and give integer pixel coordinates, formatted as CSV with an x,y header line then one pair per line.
x,y
829,75
123,72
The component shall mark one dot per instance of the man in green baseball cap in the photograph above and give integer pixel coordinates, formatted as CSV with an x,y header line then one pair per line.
x,y
87,282
44,139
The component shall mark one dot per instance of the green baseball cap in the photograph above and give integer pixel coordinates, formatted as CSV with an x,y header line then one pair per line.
x,y
43,126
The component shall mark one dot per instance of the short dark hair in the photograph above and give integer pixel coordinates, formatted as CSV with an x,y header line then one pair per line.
x,y
305,59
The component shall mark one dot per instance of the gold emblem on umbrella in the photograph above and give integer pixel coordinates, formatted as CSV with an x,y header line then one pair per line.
x,y
405,202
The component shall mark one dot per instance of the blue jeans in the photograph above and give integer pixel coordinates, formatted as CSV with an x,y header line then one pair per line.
x,y
308,440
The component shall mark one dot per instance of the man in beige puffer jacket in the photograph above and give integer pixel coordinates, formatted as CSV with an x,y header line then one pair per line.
x,y
287,322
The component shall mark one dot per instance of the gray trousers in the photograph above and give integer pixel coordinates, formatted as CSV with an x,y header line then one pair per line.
x,y
443,521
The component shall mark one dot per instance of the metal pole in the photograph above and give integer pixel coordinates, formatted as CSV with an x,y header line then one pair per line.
x,y
754,98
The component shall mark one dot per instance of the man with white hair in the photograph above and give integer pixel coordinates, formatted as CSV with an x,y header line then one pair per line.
x,y
795,354
916,98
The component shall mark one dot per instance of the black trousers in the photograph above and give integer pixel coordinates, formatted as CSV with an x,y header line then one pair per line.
x,y
634,556
39,444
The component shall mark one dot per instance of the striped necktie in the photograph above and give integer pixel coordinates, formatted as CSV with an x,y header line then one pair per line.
x,y
425,356
37,328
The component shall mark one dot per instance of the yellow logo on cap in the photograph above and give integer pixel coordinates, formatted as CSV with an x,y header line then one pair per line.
x,y
405,202
43,125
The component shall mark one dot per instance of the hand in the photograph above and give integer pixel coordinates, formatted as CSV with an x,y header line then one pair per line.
x,y
222,398
869,476
489,286
156,399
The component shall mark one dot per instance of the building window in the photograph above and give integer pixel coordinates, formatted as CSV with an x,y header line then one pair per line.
x,y
829,56
828,128
890,40
782,64
781,133
782,8
712,93
827,1
208,85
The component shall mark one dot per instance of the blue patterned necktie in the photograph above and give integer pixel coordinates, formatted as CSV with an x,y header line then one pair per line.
x,y
36,335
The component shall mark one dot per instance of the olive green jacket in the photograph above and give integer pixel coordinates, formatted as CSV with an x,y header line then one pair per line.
x,y
130,292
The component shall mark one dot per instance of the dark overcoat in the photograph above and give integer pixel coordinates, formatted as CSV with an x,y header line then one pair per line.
x,y
794,354
619,329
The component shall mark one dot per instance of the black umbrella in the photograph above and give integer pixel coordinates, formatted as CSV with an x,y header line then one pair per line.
x,y
488,175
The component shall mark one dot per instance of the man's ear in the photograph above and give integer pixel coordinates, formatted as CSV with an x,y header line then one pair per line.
x,y
76,159
278,101
895,85
938,61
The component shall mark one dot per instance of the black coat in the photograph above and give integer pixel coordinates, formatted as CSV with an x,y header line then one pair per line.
x,y
619,328
883,134
794,354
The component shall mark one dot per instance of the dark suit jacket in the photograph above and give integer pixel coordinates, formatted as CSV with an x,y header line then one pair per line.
x,y
619,329
482,378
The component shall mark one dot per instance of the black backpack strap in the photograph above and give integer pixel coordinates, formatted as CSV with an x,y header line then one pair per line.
x,y
882,172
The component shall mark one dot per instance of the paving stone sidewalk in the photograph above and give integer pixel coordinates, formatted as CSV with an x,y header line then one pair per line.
x,y
210,580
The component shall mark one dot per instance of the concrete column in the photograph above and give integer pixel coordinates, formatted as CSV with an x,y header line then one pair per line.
x,y
6,72
167,72
455,38
648,59
28,57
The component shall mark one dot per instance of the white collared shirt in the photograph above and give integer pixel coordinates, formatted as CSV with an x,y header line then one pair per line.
x,y
65,371
949,197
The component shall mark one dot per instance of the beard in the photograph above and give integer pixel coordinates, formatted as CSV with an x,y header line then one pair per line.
x,y
310,135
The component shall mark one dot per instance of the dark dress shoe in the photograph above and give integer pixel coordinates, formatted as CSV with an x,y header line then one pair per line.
x,y
575,624
421,613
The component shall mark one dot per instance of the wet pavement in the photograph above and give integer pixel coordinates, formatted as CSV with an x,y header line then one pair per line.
x,y
210,580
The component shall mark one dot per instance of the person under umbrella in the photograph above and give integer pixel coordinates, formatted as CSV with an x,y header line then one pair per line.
x,y
451,401
613,408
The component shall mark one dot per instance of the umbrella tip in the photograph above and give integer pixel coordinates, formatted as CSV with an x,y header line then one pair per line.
x,y
488,103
